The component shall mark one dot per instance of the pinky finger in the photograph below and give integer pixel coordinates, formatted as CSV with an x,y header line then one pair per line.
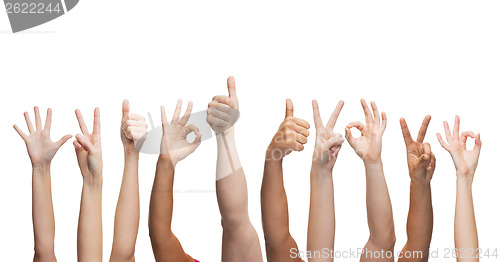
x,y
21,133
443,144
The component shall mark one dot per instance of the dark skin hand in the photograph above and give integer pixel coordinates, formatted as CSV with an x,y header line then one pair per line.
x,y
174,148
291,136
421,165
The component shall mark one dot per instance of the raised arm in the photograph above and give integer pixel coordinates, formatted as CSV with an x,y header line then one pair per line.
x,y
41,151
321,230
466,239
133,132
89,156
239,240
291,136
378,203
174,148
421,165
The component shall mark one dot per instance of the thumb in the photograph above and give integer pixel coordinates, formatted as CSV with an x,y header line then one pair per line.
x,y
231,86
62,140
289,108
125,108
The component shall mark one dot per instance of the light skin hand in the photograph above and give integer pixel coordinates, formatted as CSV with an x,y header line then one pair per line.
x,y
89,156
466,237
321,227
133,129
133,133
369,145
41,150
240,241
223,111
328,143
378,203
421,161
88,148
291,136
174,145
465,160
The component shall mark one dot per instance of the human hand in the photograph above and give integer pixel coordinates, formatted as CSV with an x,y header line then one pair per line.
x,y
223,112
328,143
421,160
133,129
465,160
41,149
369,145
174,144
291,136
88,149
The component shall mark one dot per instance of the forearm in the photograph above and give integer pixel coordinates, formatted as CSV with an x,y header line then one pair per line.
x,y
127,210
466,238
321,228
274,204
43,214
378,206
231,186
161,203
90,222
420,220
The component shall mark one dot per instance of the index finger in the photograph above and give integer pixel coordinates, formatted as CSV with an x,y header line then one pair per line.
x,y
423,129
335,115
81,122
317,117
406,132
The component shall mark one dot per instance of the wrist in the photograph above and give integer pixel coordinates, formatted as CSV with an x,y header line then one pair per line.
x,y
131,154
320,170
274,154
463,180
166,161
93,181
420,182
227,133
41,168
374,162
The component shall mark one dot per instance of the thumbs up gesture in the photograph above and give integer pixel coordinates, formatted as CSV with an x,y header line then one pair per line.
x,y
133,129
328,143
291,136
223,112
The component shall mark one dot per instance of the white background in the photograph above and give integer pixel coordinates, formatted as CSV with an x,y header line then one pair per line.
x,y
412,58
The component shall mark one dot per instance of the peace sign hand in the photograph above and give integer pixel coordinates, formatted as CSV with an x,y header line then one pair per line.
x,y
88,148
421,160
328,143
41,149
